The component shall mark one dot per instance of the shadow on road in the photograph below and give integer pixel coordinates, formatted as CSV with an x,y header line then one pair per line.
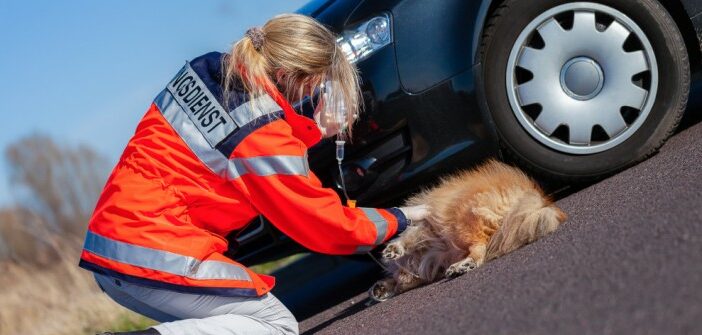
x,y
349,311
693,115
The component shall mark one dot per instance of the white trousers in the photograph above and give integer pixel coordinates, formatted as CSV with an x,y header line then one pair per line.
x,y
195,314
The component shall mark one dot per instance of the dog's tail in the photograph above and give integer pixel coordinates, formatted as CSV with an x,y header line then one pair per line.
x,y
531,218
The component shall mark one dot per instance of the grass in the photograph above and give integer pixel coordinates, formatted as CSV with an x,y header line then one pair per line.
x,y
59,299
267,268
129,321
63,299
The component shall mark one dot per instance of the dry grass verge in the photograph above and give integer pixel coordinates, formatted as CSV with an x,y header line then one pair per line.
x,y
64,299
61,299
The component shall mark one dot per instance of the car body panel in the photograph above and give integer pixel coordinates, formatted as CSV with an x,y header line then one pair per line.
x,y
428,137
409,119
447,49
693,7
694,10
337,13
697,24
314,7
446,45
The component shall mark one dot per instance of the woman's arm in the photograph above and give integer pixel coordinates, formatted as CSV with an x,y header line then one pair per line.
x,y
281,187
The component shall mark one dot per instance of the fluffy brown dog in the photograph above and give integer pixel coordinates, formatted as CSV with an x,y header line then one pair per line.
x,y
476,216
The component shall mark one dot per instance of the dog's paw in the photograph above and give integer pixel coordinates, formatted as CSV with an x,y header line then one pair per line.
x,y
461,267
381,291
393,251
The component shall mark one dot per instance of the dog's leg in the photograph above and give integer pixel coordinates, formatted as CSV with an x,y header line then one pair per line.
x,y
461,267
476,257
406,281
383,289
394,249
477,253
406,242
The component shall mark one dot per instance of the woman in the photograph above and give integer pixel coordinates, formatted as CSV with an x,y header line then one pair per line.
x,y
213,152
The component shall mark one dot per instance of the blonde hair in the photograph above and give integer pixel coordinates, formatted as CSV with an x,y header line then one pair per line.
x,y
296,54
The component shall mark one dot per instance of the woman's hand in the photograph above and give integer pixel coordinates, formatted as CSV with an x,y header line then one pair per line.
x,y
415,213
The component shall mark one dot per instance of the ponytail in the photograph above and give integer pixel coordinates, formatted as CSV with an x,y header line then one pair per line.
x,y
297,54
245,58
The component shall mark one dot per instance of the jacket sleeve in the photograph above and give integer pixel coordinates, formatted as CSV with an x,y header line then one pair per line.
x,y
280,186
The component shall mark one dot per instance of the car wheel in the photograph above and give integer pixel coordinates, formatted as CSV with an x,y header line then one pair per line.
x,y
579,90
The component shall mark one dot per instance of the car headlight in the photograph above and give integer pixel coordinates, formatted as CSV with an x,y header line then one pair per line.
x,y
366,38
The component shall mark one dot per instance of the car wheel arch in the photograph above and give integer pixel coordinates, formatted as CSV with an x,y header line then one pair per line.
x,y
693,40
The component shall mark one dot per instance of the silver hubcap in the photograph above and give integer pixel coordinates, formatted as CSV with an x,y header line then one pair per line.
x,y
582,78
591,78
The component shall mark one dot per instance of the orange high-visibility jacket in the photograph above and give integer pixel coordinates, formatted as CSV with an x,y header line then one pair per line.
x,y
192,173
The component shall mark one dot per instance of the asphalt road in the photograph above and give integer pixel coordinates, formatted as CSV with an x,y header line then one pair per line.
x,y
627,261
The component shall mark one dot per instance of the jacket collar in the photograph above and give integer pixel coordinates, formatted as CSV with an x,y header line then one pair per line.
x,y
209,68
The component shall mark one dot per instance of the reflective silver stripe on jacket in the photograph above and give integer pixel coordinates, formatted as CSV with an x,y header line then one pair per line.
x,y
269,165
251,110
181,123
214,159
381,228
163,261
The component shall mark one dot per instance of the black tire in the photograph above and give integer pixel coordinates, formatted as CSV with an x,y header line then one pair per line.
x,y
502,32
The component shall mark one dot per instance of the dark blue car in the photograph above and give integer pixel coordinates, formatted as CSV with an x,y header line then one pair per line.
x,y
571,91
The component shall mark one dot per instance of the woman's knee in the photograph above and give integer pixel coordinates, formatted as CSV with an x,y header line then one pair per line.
x,y
279,315
290,327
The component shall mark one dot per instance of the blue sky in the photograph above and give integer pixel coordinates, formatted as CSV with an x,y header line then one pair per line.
x,y
86,71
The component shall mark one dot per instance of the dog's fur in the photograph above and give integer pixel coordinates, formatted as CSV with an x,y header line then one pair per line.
x,y
475,216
